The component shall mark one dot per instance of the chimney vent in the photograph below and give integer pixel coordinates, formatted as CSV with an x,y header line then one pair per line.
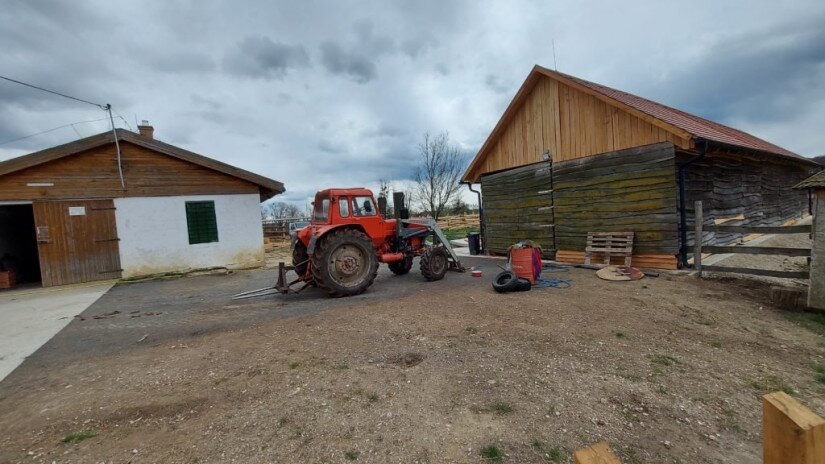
x,y
146,130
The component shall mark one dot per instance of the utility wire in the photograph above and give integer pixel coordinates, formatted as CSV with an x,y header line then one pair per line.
x,y
103,107
52,130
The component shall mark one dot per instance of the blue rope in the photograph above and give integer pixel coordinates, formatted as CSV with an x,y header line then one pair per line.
x,y
553,283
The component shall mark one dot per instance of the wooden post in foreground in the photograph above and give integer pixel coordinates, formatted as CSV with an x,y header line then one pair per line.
x,y
791,433
697,237
597,454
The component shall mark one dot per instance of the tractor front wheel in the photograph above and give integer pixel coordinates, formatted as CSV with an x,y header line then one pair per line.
x,y
344,263
401,267
434,263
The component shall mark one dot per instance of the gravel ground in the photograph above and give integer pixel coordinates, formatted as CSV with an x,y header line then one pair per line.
x,y
668,370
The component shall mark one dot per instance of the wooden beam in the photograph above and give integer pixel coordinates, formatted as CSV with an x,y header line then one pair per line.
x,y
599,453
782,251
791,433
697,237
760,229
759,272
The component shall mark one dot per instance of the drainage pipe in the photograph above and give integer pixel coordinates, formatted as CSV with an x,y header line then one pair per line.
x,y
480,215
683,249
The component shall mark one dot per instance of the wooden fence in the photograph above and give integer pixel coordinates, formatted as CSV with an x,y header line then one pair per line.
x,y
791,434
458,221
699,248
278,229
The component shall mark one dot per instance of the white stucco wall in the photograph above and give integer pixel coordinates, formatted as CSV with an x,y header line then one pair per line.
x,y
154,237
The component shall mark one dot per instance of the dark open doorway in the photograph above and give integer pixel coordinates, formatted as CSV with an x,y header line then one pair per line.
x,y
18,242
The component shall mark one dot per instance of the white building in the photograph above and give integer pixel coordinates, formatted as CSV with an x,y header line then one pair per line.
x,y
93,209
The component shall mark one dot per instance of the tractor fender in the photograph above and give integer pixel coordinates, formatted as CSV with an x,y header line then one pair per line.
x,y
322,231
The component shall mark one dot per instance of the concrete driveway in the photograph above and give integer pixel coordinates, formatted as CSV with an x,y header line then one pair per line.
x,y
31,317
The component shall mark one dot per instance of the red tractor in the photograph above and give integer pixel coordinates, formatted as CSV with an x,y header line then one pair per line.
x,y
347,238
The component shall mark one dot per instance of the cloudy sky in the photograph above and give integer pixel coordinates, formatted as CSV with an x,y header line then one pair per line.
x,y
335,93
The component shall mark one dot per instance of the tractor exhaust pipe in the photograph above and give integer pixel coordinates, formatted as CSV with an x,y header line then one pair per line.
x,y
392,257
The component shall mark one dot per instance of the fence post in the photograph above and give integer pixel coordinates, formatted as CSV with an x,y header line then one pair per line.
x,y
697,237
791,433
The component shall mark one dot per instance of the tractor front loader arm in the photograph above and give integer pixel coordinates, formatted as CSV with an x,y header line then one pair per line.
x,y
432,227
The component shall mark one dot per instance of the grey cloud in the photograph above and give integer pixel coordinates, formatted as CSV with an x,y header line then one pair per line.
x,y
352,64
327,146
260,56
496,85
765,75
184,62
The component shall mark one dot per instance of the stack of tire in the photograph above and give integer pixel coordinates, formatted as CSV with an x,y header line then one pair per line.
x,y
508,281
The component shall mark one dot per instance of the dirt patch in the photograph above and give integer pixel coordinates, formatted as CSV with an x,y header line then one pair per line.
x,y
407,359
668,370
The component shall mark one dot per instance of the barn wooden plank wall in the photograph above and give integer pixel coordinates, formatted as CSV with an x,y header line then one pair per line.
x,y
743,190
627,190
570,124
93,174
517,206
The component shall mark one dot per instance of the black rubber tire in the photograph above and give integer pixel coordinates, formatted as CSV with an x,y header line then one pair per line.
x,y
325,275
401,267
505,281
300,258
434,263
523,285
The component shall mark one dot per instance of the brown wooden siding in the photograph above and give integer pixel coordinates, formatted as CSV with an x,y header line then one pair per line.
x,y
79,248
517,206
570,124
93,174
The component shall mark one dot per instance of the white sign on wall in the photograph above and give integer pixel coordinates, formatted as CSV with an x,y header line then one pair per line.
x,y
77,210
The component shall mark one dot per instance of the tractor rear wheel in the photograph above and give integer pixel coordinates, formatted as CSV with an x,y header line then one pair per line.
x,y
434,263
401,267
344,263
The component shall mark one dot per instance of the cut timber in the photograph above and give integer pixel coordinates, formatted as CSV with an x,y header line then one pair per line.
x,y
791,433
599,453
639,261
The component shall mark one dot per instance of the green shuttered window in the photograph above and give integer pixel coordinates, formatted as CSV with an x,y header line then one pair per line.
x,y
201,222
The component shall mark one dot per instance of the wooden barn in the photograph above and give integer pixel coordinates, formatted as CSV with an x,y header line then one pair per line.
x,y
125,205
570,157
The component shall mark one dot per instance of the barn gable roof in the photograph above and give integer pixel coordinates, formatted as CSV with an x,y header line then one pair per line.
x,y
675,121
269,187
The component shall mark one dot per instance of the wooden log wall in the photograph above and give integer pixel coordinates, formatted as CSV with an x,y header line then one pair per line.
x,y
627,190
518,206
738,189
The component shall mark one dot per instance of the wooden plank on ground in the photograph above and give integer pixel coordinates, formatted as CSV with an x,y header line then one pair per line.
x,y
759,272
599,453
791,433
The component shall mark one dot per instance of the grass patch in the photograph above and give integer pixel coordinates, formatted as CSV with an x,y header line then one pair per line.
x,y
555,454
492,453
471,330
620,335
502,407
660,389
815,322
716,344
77,437
342,366
664,360
455,234
820,373
773,383
294,365
372,397
729,421
352,455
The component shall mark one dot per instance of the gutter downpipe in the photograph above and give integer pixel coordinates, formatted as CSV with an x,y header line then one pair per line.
x,y
683,201
480,214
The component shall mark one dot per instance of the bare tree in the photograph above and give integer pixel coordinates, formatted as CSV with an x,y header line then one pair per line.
x,y
279,210
439,173
384,190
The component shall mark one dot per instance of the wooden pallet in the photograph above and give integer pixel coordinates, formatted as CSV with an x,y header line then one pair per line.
x,y
609,244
